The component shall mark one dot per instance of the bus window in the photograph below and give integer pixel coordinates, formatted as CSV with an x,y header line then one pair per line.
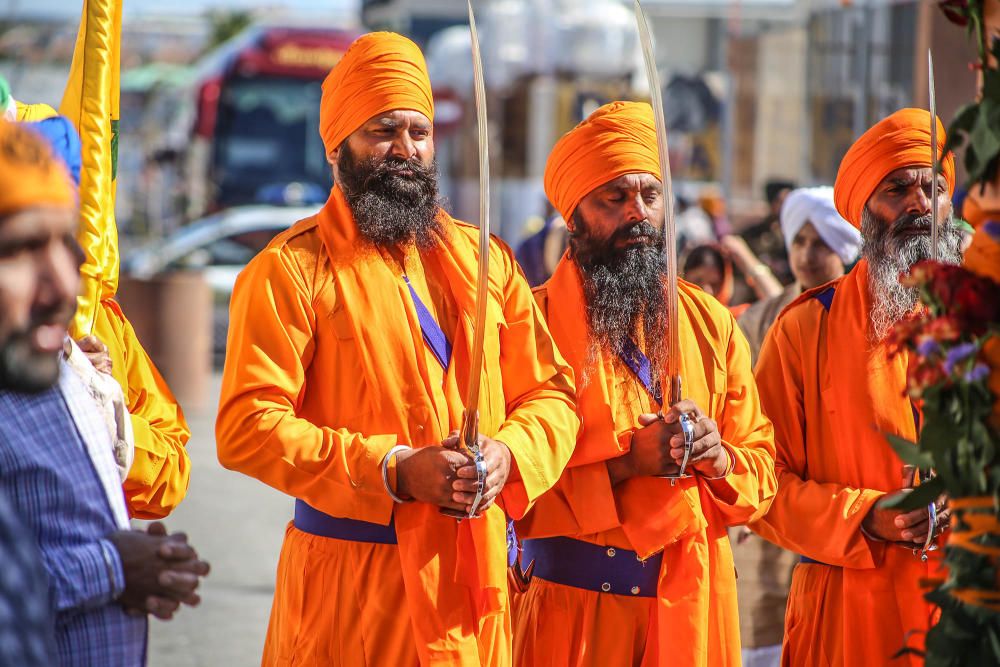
x,y
267,133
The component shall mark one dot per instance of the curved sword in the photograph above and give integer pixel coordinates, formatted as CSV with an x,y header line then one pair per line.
x,y
469,433
673,393
935,167
935,255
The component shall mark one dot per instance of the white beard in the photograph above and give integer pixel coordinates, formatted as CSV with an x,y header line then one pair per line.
x,y
889,258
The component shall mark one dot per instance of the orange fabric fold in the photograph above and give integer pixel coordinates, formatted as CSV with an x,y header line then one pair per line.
x,y
833,397
865,371
696,587
901,140
421,529
380,71
326,371
618,138
31,175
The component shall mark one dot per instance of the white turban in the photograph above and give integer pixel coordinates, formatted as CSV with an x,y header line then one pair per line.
x,y
816,205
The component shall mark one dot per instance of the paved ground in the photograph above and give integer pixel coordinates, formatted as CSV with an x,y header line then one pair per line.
x,y
237,524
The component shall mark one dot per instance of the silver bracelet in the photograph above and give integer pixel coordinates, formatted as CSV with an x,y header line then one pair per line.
x,y
385,473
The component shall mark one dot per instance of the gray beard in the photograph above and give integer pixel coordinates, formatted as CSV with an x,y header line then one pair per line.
x,y
889,257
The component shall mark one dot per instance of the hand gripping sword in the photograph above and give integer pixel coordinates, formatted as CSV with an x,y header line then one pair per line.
x,y
673,393
469,433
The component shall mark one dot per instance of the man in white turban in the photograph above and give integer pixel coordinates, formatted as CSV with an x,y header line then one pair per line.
x,y
820,245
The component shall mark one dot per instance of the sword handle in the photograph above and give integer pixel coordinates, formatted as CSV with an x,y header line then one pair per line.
x,y
468,437
687,427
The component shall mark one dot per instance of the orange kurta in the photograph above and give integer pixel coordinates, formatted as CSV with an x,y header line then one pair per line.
x,y
832,397
693,620
158,479
327,371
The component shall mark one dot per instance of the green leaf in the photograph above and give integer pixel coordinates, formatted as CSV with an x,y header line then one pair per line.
x,y
982,137
964,118
909,453
924,494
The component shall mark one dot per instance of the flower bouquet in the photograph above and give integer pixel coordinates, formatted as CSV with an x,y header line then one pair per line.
x,y
954,377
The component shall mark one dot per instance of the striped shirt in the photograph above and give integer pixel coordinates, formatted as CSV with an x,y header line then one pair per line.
x,y
48,471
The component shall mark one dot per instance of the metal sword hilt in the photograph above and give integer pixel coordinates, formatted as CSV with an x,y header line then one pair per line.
x,y
468,437
911,477
687,428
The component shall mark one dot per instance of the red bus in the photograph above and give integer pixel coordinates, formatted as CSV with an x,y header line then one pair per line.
x,y
255,137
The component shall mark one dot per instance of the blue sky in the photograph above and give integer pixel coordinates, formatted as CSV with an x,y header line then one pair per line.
x,y
71,8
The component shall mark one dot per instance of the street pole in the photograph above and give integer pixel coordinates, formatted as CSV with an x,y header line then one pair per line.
x,y
864,17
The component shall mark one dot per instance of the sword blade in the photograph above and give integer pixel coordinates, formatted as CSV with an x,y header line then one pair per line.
x,y
673,393
470,435
935,167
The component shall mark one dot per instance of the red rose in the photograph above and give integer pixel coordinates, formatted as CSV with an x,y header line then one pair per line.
x,y
957,11
977,303
944,328
922,376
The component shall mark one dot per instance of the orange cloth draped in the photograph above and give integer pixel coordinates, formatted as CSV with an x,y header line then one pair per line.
x,y
618,138
327,370
381,71
901,140
30,174
693,620
832,397
158,479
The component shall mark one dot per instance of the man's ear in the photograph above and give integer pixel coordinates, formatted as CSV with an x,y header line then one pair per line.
x,y
571,223
332,156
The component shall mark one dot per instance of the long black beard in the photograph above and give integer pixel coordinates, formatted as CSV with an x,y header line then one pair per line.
x,y
389,208
624,290
891,254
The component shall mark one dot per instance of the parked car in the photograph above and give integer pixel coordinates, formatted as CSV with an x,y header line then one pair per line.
x,y
218,245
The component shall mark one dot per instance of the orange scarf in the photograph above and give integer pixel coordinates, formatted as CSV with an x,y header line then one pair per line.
x,y
678,508
441,584
868,386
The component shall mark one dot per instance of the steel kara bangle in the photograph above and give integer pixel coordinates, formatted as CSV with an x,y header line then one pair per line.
x,y
385,473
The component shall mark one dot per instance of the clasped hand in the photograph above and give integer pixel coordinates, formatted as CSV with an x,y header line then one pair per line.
x,y
445,474
658,446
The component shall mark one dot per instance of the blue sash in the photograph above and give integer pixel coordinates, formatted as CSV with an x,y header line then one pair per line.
x,y
639,364
569,562
310,520
430,330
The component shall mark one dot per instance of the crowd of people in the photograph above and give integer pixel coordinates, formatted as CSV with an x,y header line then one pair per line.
x,y
742,524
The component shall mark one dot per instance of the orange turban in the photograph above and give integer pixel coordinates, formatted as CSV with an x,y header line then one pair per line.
x,y
901,140
30,175
617,139
380,72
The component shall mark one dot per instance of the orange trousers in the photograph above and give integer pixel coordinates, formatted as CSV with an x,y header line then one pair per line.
x,y
342,604
563,626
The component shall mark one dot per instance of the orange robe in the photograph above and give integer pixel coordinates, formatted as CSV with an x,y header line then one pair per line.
x,y
326,372
158,479
832,398
693,620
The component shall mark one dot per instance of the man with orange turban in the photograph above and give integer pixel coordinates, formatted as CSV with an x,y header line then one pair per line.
x,y
621,566
157,478
834,393
348,361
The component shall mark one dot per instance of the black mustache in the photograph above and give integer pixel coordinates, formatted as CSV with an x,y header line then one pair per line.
x,y
637,230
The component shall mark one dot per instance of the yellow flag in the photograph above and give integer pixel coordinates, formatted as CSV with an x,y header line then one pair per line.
x,y
91,101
